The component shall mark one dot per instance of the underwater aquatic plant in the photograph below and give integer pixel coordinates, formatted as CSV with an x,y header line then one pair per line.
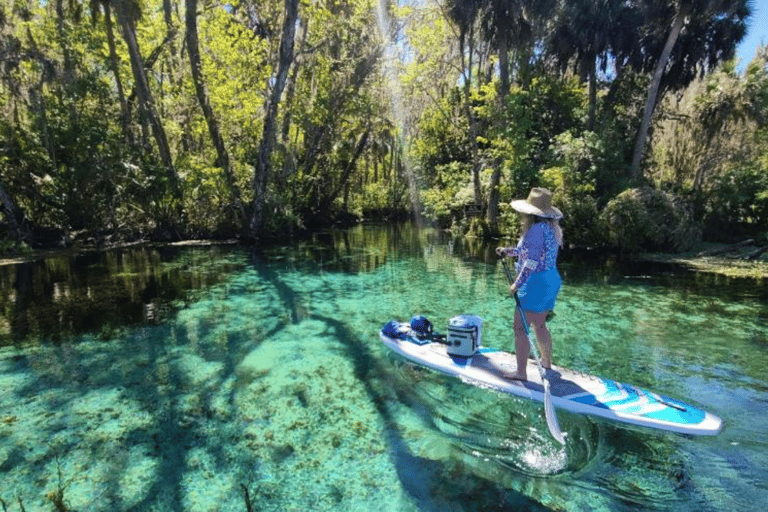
x,y
57,498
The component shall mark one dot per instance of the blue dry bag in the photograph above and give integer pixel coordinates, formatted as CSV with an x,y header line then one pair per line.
x,y
392,329
421,325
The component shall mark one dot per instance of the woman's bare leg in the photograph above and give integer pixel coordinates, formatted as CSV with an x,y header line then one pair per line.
x,y
543,336
522,349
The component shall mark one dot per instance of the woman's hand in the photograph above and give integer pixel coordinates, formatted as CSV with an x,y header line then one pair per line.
x,y
500,251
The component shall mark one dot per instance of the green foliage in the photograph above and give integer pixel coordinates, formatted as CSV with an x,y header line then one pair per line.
x,y
713,146
378,199
11,248
738,203
651,220
521,135
443,140
72,163
208,202
580,158
451,189
582,224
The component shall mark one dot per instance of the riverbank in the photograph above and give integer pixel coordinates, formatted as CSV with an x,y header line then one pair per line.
x,y
33,255
745,259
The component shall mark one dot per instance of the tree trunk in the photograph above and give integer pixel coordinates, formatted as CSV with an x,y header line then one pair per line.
x,y
328,199
291,85
69,71
13,216
492,215
193,47
503,69
650,103
592,69
473,129
144,92
263,165
113,64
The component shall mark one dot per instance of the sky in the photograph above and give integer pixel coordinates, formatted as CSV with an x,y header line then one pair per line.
x,y
756,33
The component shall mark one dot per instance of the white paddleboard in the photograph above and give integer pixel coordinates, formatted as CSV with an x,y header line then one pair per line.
x,y
571,391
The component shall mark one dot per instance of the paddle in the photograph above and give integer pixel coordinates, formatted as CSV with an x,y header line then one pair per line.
x,y
549,408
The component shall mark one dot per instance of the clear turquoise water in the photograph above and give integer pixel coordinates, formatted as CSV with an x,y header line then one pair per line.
x,y
174,379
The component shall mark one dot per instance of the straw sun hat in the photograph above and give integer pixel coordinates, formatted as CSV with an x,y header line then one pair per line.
x,y
539,203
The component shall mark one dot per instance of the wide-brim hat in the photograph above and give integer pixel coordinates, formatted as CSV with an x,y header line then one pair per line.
x,y
539,202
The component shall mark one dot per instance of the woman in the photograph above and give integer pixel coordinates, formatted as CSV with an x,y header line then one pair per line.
x,y
538,281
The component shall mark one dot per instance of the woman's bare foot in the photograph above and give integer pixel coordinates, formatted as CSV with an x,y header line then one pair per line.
x,y
516,376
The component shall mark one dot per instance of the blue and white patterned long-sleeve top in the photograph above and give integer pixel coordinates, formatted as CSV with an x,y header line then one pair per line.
x,y
536,252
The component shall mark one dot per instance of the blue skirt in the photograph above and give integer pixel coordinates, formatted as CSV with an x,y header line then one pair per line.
x,y
540,291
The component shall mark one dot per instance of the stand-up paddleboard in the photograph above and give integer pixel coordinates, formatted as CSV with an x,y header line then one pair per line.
x,y
571,391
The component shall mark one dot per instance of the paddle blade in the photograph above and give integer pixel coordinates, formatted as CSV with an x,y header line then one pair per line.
x,y
549,413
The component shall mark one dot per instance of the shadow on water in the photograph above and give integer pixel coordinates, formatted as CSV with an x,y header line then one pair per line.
x,y
420,477
149,381
98,389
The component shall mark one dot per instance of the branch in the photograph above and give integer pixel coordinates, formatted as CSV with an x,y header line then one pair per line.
x,y
756,254
248,506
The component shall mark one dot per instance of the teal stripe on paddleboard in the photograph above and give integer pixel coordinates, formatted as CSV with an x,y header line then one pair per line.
x,y
691,415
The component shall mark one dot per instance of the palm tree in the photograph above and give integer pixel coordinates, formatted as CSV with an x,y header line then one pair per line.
x,y
510,26
709,31
588,34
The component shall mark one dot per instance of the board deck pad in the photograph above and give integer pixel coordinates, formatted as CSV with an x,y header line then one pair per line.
x,y
570,390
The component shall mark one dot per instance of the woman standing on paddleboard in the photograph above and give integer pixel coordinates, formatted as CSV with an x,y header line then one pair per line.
x,y
538,281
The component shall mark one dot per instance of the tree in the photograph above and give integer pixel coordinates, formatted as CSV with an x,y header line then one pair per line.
x,y
263,164
509,24
713,29
128,12
113,62
223,160
588,34
14,216
464,13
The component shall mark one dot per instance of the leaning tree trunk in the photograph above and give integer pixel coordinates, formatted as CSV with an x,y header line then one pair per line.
x,y
653,91
193,47
114,67
263,165
13,216
142,87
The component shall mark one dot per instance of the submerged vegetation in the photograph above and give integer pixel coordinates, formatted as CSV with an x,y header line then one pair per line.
x,y
141,119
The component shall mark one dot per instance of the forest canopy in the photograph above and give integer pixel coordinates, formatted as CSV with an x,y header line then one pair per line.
x,y
170,119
